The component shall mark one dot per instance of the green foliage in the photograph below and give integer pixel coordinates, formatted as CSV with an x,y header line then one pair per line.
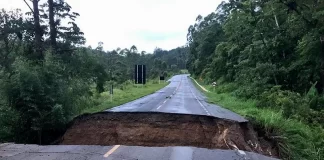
x,y
317,103
38,93
295,139
291,103
221,88
121,96
47,78
268,51
257,43
8,118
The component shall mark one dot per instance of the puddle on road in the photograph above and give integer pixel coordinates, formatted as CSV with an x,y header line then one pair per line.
x,y
164,129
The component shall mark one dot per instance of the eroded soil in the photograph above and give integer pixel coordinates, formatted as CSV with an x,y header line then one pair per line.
x,y
164,129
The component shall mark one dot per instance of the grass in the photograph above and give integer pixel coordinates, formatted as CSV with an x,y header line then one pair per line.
x,y
294,139
129,93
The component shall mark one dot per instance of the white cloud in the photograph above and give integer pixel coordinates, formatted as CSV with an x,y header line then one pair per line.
x,y
122,23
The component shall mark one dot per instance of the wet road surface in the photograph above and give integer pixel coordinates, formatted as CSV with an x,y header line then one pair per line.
x,y
77,152
180,96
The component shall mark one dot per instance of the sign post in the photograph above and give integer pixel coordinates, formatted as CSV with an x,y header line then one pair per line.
x,y
111,92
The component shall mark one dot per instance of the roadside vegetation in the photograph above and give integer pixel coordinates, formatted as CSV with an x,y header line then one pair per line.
x,y
123,94
294,139
267,59
47,76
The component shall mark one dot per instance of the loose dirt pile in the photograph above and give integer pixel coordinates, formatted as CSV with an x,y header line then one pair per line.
x,y
164,129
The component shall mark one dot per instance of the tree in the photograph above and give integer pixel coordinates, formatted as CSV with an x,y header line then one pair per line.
x,y
271,51
12,26
133,49
164,66
52,25
100,46
37,29
69,35
47,78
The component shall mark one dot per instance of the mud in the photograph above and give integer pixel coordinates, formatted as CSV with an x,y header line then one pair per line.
x,y
165,129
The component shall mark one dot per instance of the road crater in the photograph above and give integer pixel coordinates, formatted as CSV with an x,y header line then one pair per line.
x,y
158,129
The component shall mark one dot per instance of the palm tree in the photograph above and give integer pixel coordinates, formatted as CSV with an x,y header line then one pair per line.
x,y
133,49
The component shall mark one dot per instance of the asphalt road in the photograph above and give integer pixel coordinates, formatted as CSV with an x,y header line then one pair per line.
x,y
180,96
77,152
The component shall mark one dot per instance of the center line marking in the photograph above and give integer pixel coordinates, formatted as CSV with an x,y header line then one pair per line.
x,y
111,151
159,107
170,95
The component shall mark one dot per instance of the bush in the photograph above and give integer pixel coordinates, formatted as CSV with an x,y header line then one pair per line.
x,y
292,104
155,81
8,118
124,85
43,99
315,117
317,103
252,90
226,88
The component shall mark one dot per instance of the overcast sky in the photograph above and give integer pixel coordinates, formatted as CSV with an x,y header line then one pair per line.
x,y
144,23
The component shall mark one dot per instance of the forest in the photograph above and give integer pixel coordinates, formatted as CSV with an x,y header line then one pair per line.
x,y
271,52
47,76
267,57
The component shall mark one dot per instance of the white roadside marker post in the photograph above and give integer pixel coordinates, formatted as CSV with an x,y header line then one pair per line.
x,y
214,85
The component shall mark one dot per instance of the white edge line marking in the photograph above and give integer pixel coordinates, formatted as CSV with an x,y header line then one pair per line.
x,y
203,107
203,88
241,152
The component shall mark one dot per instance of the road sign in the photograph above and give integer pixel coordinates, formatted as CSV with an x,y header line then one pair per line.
x,y
162,78
140,74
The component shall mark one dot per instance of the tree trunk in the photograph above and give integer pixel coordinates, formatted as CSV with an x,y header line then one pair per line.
x,y
38,31
40,137
275,17
52,25
320,84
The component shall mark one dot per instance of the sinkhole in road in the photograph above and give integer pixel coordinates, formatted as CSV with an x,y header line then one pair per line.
x,y
165,129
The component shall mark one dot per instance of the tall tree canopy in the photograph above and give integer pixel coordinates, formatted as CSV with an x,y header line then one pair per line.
x,y
271,51
267,42
263,45
47,77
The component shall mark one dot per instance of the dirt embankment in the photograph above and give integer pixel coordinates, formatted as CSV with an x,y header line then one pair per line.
x,y
164,129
